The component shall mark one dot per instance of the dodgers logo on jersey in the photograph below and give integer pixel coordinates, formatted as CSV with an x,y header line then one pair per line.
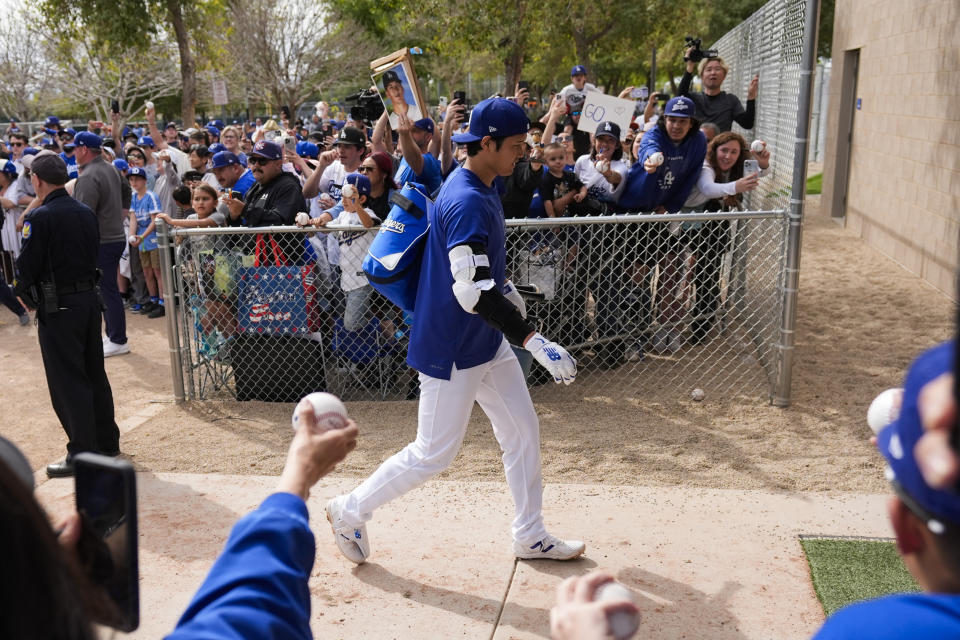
x,y
26,230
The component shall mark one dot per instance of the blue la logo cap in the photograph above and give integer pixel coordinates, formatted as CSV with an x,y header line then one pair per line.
x,y
494,117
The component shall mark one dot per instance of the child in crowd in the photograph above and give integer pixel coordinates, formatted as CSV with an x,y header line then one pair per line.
x,y
559,188
144,207
353,248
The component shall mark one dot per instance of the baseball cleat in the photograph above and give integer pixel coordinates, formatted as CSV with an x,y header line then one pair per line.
x,y
549,548
352,542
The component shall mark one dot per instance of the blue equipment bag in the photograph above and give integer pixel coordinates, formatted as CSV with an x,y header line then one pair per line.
x,y
392,264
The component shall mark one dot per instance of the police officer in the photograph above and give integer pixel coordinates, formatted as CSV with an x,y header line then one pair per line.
x,y
57,276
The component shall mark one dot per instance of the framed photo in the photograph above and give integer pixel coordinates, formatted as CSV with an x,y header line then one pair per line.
x,y
396,81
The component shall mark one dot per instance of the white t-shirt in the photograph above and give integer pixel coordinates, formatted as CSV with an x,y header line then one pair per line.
x,y
597,185
576,97
353,249
329,239
332,179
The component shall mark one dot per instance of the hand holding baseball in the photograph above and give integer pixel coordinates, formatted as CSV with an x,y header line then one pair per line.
x,y
314,452
653,162
581,615
302,219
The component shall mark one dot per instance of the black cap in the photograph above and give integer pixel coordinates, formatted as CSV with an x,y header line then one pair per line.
x,y
351,135
50,168
390,76
608,128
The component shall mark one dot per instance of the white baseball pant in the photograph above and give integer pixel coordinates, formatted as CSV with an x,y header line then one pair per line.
x,y
445,405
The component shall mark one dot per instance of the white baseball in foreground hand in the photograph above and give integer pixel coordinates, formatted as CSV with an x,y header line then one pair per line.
x,y
329,411
148,104
602,166
757,146
884,409
302,218
623,624
655,159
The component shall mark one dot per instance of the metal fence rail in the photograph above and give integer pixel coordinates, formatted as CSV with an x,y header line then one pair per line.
x,y
647,304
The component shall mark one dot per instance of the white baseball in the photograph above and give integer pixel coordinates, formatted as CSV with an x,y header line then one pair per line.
x,y
884,409
697,394
623,624
132,239
302,218
602,166
148,104
655,159
757,146
329,411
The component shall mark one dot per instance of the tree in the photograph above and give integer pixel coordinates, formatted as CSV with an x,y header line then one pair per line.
x,y
287,51
25,77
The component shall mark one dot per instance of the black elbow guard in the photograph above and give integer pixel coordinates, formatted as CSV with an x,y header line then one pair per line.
x,y
500,314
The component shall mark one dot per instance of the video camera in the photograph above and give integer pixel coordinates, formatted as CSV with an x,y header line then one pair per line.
x,y
368,106
697,54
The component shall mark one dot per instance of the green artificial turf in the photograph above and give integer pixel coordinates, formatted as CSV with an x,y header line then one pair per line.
x,y
814,184
845,571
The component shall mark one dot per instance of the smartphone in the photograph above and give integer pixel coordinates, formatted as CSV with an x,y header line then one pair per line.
x,y
750,167
236,195
663,97
636,93
442,101
523,84
106,497
644,92
461,96
115,106
290,143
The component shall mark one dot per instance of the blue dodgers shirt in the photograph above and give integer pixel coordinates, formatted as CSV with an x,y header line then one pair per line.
x,y
431,177
443,333
244,182
897,617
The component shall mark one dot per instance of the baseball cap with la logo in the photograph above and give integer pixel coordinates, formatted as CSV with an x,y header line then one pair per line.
x,y
680,107
351,135
608,128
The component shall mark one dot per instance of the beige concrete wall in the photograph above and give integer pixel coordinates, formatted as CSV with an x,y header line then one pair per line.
x,y
904,190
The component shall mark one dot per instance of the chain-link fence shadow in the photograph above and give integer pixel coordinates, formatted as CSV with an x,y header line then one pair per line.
x,y
647,304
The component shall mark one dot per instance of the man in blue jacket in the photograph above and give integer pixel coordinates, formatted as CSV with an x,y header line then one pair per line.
x,y
664,186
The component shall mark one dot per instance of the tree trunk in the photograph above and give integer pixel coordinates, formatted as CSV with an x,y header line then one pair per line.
x,y
188,75
581,47
513,68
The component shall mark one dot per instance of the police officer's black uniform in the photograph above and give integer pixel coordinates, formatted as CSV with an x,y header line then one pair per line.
x,y
61,241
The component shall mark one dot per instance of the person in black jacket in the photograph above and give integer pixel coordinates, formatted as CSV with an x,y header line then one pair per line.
x,y
274,200
57,276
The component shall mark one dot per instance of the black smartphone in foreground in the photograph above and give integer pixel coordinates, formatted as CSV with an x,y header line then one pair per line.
x,y
523,84
106,496
461,96
115,106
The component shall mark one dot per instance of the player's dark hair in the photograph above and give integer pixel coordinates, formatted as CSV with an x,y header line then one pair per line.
x,y
473,148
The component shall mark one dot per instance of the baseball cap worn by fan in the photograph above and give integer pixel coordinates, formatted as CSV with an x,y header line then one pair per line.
x,y
145,141
8,168
50,168
351,135
608,128
137,172
224,159
121,164
267,149
87,139
308,150
494,117
360,181
680,107
578,70
940,509
424,124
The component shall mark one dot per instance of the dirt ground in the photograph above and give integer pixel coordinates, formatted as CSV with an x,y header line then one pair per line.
x,y
862,318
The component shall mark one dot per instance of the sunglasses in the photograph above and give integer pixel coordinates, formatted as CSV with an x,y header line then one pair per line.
x,y
364,168
254,160
565,138
16,144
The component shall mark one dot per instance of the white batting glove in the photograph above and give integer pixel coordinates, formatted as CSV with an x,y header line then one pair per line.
x,y
510,293
553,357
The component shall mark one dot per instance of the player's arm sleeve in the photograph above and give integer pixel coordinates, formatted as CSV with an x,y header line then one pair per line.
x,y
257,588
476,291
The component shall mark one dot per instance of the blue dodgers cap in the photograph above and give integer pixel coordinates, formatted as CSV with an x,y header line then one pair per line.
x,y
578,70
897,442
267,149
8,167
87,139
680,107
218,123
224,159
216,148
360,181
136,172
121,164
212,130
307,150
69,131
171,125
494,117
145,141
424,124
51,121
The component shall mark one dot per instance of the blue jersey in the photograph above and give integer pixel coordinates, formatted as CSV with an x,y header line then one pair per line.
x,y
672,182
143,208
466,211
71,162
898,617
430,176
244,182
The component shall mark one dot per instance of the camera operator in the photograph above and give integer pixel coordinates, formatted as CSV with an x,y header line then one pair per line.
x,y
713,104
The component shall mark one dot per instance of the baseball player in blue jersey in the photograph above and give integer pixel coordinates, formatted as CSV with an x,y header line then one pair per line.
x,y
466,311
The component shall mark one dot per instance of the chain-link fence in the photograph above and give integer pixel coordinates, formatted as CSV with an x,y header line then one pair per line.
x,y
653,304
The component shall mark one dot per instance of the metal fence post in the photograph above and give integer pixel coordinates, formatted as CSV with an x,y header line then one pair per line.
x,y
785,346
166,266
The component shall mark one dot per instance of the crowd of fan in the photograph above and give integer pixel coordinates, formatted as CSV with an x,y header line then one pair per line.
x,y
677,156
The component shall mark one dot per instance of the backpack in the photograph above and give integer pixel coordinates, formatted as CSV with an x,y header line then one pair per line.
x,y
392,264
